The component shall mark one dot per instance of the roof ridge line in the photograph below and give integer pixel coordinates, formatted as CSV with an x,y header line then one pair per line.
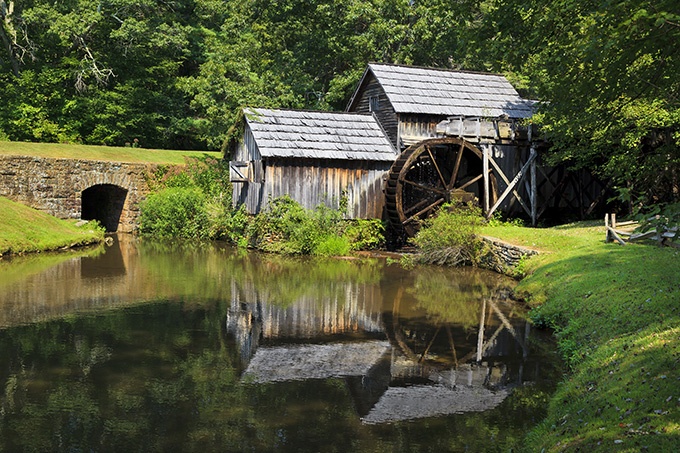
x,y
431,68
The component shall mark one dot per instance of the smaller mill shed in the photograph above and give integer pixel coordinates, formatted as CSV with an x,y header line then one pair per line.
x,y
315,157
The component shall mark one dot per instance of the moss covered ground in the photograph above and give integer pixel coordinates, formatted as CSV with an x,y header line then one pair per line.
x,y
615,311
24,229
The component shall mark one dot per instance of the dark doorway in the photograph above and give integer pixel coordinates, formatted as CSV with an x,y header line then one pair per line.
x,y
103,202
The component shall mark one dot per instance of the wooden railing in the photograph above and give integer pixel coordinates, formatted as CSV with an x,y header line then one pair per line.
x,y
624,232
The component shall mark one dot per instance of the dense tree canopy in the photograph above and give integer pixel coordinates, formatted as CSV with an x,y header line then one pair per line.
x,y
609,73
174,73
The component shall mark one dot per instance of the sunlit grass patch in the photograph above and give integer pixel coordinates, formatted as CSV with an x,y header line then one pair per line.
x,y
105,153
24,229
624,397
615,312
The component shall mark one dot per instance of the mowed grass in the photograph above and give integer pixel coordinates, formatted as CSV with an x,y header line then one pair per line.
x,y
104,153
616,314
24,229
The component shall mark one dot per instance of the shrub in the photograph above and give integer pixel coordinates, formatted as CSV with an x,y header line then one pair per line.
x,y
450,237
287,227
276,228
206,182
365,234
660,218
332,245
175,212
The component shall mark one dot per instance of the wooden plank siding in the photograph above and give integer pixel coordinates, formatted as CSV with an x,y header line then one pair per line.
x,y
315,181
385,113
416,128
315,158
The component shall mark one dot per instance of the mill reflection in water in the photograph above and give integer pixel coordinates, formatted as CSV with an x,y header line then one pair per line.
x,y
145,346
398,364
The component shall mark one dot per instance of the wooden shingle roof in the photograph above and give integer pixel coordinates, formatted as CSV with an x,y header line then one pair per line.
x,y
319,135
446,92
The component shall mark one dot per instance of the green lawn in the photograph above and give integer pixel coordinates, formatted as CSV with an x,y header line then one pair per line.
x,y
616,314
105,153
24,229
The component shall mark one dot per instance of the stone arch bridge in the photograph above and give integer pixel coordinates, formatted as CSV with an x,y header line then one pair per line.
x,y
109,192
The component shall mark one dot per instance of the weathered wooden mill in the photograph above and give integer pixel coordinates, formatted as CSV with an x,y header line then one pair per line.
x,y
411,139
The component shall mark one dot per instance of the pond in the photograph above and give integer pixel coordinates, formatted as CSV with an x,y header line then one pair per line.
x,y
145,346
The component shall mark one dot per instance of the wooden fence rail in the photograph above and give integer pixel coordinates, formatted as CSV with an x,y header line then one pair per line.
x,y
624,232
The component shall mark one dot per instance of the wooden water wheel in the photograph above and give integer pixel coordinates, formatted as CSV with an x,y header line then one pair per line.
x,y
431,173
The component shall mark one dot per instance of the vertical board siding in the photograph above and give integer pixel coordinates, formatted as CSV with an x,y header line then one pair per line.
x,y
250,194
415,128
386,115
311,182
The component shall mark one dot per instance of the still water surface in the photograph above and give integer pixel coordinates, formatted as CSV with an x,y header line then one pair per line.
x,y
158,347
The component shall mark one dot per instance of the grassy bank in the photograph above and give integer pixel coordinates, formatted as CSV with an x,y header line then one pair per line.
x,y
23,229
616,313
105,153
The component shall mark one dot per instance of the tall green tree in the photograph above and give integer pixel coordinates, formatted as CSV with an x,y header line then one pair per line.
x,y
607,72
311,54
95,72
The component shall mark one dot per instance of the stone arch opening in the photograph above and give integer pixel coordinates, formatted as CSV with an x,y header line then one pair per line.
x,y
103,202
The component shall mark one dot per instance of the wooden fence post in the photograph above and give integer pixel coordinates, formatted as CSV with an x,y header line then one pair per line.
x,y
608,236
534,195
485,169
610,225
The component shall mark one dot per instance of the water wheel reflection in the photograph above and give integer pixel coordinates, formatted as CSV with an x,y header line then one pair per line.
x,y
495,343
446,367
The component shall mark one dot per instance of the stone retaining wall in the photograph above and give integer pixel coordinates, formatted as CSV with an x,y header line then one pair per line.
x,y
55,185
504,256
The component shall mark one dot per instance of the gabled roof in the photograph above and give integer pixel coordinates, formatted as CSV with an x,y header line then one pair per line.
x,y
445,92
319,135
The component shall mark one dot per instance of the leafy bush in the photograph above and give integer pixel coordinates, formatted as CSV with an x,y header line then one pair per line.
x,y
284,227
206,179
332,245
660,218
175,212
450,236
287,227
365,234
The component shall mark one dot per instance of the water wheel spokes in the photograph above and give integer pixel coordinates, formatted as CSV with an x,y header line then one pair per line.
x,y
428,208
441,192
436,167
431,173
454,173
465,185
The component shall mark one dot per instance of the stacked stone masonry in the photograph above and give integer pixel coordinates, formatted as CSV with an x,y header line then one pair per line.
x,y
504,256
56,186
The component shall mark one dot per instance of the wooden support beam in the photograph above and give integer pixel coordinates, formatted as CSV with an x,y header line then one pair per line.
x,y
507,181
485,170
508,326
480,334
597,199
518,177
547,177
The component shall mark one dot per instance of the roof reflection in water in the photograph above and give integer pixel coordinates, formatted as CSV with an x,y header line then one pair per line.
x,y
314,361
396,367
